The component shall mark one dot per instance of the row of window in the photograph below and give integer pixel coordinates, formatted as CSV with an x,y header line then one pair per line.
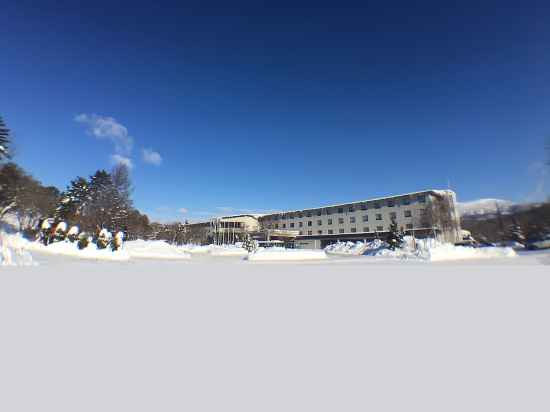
x,y
363,206
352,219
352,230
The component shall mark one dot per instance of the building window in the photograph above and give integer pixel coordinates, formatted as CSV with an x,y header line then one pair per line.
x,y
330,231
329,212
350,209
393,215
276,226
292,225
301,224
308,214
406,201
291,217
378,216
408,213
319,232
379,228
341,230
329,222
353,229
377,205
340,210
301,233
366,229
421,198
391,203
284,225
352,219
319,222
409,226
319,212
300,215
363,206
309,232
340,220
309,223
365,218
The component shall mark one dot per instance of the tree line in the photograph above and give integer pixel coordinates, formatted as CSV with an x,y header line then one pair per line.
x,y
100,201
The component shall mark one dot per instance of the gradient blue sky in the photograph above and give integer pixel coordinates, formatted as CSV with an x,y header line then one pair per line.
x,y
297,104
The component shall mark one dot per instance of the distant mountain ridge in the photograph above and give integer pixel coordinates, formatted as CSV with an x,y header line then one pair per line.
x,y
482,207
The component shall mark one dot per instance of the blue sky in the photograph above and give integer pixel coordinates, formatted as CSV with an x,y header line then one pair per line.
x,y
248,107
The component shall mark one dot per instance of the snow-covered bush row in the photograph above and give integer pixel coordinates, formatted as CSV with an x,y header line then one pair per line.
x,y
421,249
90,251
13,250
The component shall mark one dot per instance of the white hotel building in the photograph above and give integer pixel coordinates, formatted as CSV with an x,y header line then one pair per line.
x,y
429,213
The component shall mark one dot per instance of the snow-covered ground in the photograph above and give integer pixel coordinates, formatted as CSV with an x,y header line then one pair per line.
x,y
215,333
415,249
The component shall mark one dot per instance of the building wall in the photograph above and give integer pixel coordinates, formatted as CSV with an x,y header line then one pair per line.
x,y
427,213
412,212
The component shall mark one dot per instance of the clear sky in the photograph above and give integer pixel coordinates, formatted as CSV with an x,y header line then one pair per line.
x,y
243,106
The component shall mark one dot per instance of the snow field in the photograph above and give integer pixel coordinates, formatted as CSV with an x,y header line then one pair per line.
x,y
13,250
280,254
223,335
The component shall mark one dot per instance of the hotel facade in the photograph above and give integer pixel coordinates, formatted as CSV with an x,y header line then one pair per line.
x,y
429,213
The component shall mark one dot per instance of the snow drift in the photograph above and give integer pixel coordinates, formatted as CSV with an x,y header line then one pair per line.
x,y
153,249
420,249
13,250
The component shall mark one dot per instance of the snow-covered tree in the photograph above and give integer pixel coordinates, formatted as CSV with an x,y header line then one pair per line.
x,y
72,234
73,200
515,233
394,238
60,232
117,241
250,244
5,138
104,239
45,231
83,240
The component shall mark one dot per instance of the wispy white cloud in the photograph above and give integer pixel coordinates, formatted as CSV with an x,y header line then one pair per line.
x,y
104,127
539,173
151,157
118,159
183,210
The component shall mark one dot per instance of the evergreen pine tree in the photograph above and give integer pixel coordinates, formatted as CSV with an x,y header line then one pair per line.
x,y
4,140
395,237
73,201
249,244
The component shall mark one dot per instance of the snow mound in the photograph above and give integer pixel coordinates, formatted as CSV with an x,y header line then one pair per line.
x,y
286,254
227,250
215,250
70,249
354,248
13,250
154,249
418,249
450,252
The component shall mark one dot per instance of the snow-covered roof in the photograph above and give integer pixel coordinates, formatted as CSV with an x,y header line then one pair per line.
x,y
439,192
